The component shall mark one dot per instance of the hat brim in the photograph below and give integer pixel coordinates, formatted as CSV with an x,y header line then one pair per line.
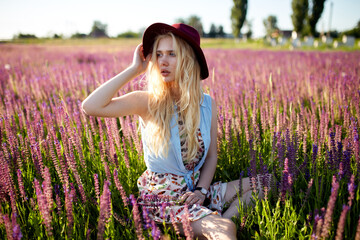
x,y
161,28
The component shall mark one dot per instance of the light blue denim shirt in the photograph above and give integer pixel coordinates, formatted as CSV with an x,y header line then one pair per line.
x,y
173,163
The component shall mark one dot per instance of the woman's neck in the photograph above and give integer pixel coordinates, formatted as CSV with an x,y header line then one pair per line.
x,y
174,91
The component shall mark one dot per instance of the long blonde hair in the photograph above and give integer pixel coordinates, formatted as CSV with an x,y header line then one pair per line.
x,y
161,103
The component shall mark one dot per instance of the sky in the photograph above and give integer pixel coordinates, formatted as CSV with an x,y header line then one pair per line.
x,y
46,17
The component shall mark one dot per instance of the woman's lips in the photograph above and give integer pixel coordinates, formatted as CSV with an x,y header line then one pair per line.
x,y
165,73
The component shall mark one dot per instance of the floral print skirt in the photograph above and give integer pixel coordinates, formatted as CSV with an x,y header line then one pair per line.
x,y
160,194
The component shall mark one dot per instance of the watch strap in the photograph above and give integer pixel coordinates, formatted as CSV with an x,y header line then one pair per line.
x,y
202,190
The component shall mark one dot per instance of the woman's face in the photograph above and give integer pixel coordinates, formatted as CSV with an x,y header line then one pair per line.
x,y
166,59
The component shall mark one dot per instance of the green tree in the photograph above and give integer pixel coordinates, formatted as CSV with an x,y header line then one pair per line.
x,y
220,31
353,32
79,35
238,16
270,24
128,34
24,36
98,30
213,31
300,10
195,22
317,7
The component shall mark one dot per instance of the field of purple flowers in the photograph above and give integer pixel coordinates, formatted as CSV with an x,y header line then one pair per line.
x,y
66,175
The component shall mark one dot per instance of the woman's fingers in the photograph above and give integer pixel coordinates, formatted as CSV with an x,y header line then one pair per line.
x,y
191,198
139,60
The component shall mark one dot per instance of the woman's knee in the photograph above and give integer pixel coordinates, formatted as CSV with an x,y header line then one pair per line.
x,y
215,224
229,225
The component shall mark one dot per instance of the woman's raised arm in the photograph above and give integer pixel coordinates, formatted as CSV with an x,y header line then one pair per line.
x,y
100,102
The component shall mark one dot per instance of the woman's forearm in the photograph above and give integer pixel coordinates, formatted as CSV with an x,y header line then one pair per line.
x,y
207,172
102,95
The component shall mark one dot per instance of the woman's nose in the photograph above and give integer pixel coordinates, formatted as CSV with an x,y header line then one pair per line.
x,y
164,61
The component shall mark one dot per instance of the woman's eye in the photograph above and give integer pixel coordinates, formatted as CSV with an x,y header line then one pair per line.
x,y
172,54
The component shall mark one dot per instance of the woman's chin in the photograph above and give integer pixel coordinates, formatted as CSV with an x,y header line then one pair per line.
x,y
168,79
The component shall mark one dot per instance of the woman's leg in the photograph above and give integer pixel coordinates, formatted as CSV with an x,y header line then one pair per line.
x,y
212,227
232,190
231,194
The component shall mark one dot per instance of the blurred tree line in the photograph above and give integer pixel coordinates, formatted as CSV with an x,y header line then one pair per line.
x,y
305,15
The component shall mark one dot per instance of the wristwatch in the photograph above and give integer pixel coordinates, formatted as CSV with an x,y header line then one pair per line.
x,y
202,190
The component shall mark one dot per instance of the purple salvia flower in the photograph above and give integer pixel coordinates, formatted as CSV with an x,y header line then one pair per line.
x,y
77,143
338,130
8,226
69,198
16,235
271,117
357,236
220,121
245,114
57,199
173,222
355,136
339,153
47,188
341,223
137,218
126,156
147,219
186,224
351,189
304,144
92,125
82,192
319,224
105,210
286,181
108,153
280,145
346,161
101,132
314,157
155,232
91,141
21,185
278,123
88,234
63,165
71,161
97,186
163,210
252,159
109,134
13,202
43,207
120,188
228,131
56,163
7,185
330,209
107,170
116,133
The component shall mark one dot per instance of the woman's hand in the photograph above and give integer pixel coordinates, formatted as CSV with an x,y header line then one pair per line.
x,y
195,197
140,63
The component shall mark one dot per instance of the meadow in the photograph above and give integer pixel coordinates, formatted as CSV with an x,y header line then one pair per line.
x,y
66,175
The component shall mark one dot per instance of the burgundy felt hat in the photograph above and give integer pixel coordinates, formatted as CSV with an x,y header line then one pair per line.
x,y
186,32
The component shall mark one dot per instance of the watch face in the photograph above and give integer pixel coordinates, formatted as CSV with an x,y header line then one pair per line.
x,y
203,191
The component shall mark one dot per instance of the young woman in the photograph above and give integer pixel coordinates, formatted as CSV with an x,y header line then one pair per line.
x,y
179,130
